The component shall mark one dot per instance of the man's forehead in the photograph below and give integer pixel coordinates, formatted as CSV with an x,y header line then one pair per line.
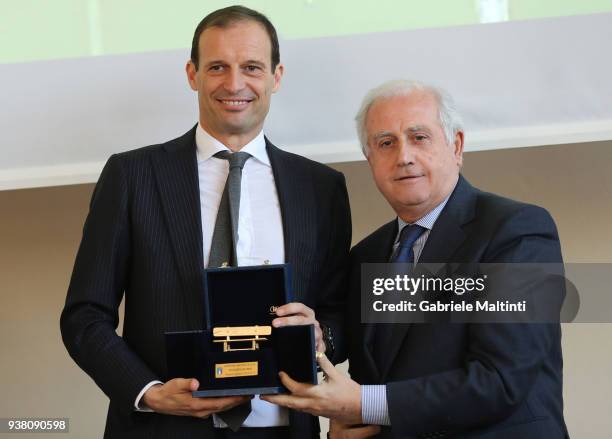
x,y
415,101
244,36
410,111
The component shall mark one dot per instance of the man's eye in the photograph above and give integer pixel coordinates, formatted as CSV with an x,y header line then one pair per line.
x,y
420,137
216,68
385,143
252,68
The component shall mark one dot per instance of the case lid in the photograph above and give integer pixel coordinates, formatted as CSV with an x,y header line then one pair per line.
x,y
244,296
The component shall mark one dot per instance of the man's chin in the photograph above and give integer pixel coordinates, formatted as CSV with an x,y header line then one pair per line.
x,y
412,201
237,128
411,207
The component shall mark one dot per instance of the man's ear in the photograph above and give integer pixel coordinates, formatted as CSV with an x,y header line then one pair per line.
x,y
367,156
278,74
458,146
191,71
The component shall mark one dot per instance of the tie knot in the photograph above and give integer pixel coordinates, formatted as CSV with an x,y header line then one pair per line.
x,y
235,159
410,234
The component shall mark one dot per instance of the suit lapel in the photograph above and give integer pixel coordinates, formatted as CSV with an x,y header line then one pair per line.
x,y
379,253
298,205
176,174
444,240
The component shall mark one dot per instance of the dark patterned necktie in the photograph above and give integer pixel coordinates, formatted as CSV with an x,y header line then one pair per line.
x,y
225,235
223,249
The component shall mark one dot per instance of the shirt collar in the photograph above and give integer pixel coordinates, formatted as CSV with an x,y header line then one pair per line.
x,y
426,221
208,146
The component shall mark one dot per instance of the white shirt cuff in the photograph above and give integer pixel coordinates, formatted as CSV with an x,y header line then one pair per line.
x,y
141,407
374,408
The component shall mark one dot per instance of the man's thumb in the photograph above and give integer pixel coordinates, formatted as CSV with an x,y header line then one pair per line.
x,y
185,384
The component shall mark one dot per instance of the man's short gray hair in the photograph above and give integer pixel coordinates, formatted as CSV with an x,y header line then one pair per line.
x,y
450,120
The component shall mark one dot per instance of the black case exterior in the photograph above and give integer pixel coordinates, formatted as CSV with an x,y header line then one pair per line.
x,y
243,296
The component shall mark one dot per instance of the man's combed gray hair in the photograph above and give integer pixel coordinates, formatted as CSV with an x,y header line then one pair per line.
x,y
450,120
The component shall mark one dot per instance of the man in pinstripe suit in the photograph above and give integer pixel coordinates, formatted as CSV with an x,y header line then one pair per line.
x,y
148,235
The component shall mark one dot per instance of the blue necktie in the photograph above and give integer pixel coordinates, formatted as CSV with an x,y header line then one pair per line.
x,y
408,236
403,253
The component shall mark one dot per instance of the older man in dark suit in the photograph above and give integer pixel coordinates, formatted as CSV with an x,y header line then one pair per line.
x,y
161,214
426,380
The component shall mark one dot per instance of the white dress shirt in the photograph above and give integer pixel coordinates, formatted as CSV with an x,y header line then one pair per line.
x,y
260,231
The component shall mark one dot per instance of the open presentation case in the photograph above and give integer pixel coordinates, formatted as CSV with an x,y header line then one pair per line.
x,y
238,352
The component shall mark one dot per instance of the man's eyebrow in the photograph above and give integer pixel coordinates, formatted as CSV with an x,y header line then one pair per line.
x,y
256,62
215,61
382,134
415,128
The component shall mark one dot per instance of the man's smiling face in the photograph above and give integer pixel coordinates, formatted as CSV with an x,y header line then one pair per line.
x,y
413,165
234,80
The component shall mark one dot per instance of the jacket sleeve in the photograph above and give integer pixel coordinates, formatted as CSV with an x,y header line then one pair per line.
x,y
333,281
100,276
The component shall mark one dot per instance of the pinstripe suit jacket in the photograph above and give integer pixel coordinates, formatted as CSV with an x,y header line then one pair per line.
x,y
143,238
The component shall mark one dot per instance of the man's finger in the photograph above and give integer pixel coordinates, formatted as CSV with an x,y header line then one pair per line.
x,y
319,338
334,424
294,308
231,402
321,346
326,366
194,384
215,405
337,430
289,401
364,432
204,414
295,387
183,384
294,320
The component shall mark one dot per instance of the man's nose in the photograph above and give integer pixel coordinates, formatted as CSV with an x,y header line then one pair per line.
x,y
234,81
405,153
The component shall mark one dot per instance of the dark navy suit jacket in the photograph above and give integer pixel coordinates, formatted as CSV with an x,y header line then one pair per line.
x,y
497,380
143,236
